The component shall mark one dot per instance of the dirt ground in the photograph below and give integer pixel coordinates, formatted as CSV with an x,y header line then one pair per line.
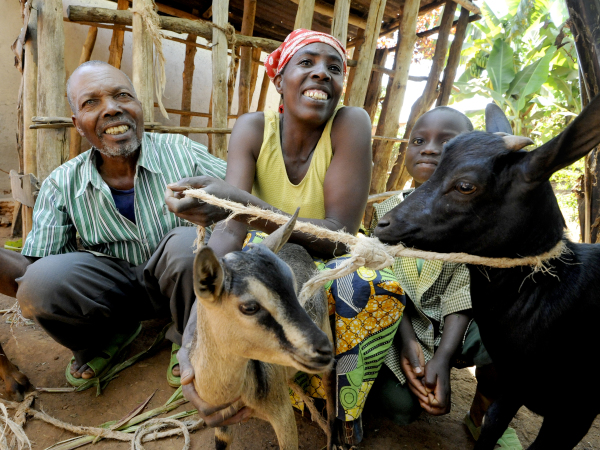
x,y
44,362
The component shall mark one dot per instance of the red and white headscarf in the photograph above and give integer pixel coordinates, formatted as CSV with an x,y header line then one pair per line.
x,y
297,39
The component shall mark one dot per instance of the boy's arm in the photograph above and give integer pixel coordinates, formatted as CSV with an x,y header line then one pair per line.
x,y
437,371
412,360
456,313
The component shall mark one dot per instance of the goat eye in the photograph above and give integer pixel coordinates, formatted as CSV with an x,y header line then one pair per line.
x,y
249,308
465,188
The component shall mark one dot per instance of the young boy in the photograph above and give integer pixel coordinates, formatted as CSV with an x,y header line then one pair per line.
x,y
437,332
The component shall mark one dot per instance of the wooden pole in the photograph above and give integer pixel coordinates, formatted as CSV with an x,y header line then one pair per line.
x,y
188,81
365,60
30,68
142,63
219,76
397,178
374,88
264,89
389,126
435,30
51,143
327,10
339,25
360,37
116,43
304,16
86,54
231,79
246,64
453,58
466,4
255,57
584,26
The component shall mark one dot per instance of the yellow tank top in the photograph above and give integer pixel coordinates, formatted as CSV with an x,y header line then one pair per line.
x,y
271,183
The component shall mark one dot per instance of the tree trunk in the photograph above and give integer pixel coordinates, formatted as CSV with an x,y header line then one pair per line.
x,y
586,31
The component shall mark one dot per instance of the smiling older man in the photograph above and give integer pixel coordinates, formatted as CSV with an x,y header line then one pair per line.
x,y
138,258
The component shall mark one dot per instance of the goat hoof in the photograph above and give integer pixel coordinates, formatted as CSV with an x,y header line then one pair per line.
x,y
15,383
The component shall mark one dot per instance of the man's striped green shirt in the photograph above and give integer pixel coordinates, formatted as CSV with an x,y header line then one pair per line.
x,y
75,199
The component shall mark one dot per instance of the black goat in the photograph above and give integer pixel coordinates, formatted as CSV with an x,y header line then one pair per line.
x,y
488,198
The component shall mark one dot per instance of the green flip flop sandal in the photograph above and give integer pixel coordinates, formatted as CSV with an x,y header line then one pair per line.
x,y
508,441
172,379
110,357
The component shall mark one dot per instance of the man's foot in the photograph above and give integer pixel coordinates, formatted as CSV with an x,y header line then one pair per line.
x,y
508,441
173,372
83,371
78,375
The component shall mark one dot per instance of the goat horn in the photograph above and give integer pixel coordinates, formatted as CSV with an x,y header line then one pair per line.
x,y
279,237
515,143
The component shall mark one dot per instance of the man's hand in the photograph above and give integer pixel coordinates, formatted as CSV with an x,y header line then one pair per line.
x,y
213,416
194,210
437,384
412,363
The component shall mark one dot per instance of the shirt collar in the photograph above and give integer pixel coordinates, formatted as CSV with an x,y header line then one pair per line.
x,y
148,160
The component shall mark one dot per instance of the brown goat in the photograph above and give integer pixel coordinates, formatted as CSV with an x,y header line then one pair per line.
x,y
253,334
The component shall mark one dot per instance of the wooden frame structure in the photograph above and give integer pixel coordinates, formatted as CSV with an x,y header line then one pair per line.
x,y
39,50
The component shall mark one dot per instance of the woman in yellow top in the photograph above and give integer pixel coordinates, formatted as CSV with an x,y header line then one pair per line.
x,y
316,155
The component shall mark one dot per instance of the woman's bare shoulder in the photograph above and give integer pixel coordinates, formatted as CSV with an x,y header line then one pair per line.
x,y
351,116
247,133
351,129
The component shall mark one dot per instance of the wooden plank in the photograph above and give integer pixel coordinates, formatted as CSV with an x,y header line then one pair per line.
x,y
86,54
453,58
398,178
142,71
358,90
326,9
30,68
352,68
264,89
246,64
396,91
304,16
339,25
219,76
116,43
188,81
51,143
388,138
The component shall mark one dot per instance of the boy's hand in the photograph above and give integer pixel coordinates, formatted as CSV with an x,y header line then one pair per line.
x,y
437,384
412,363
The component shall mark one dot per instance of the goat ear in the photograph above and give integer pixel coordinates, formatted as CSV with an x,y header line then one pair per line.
x,y
495,120
279,237
581,136
208,275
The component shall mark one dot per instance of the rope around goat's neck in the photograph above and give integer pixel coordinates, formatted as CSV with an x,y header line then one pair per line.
x,y
369,252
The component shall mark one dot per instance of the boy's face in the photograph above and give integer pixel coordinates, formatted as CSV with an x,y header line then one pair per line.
x,y
427,140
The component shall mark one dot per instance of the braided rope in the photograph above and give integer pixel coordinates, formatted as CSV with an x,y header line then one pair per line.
x,y
370,252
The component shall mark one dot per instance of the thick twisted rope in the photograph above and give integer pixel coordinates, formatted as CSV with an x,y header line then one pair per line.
x,y
370,252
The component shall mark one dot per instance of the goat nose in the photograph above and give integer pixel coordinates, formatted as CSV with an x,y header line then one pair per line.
x,y
383,223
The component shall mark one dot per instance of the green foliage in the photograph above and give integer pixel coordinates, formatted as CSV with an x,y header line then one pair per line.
x,y
522,55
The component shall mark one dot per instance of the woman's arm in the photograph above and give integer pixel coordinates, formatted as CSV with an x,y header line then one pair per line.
x,y
346,184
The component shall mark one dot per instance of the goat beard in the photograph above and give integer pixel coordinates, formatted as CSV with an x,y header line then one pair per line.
x,y
124,149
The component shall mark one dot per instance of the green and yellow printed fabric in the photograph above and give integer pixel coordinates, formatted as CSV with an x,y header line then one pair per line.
x,y
367,306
